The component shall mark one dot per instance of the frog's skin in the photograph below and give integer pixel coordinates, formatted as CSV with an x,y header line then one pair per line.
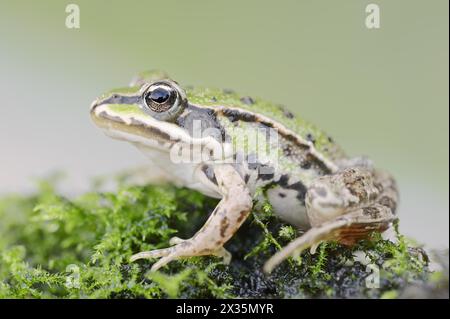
x,y
307,178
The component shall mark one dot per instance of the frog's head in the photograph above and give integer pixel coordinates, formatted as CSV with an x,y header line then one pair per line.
x,y
145,113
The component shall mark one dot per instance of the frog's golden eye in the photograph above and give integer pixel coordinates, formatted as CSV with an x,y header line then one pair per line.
x,y
164,99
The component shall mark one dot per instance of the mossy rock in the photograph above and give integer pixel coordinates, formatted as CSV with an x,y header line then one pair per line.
x,y
58,247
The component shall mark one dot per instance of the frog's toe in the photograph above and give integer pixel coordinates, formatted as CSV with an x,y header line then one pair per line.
x,y
313,248
162,262
225,254
167,254
157,253
311,239
175,250
181,249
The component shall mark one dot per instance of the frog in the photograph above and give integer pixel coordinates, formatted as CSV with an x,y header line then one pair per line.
x,y
244,151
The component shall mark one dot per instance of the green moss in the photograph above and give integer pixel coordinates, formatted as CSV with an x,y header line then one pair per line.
x,y
52,246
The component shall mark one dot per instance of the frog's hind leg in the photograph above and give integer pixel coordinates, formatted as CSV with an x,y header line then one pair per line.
x,y
346,206
347,229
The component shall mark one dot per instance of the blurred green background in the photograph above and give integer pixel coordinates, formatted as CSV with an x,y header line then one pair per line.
x,y
381,92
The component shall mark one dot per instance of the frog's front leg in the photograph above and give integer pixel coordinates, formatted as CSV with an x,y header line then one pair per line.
x,y
224,221
346,206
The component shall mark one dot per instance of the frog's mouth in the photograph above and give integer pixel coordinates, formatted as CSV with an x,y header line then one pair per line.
x,y
129,123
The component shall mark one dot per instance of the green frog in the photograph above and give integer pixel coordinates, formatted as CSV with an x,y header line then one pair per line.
x,y
231,147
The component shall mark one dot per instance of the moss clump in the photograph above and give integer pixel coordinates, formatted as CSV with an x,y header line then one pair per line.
x,y
55,247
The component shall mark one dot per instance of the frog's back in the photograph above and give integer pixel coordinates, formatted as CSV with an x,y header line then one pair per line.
x,y
278,114
299,154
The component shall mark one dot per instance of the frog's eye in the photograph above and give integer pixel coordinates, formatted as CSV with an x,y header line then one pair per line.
x,y
164,99
160,98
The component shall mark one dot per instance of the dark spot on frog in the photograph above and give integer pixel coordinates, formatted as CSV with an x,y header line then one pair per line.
x,y
373,195
305,164
286,112
231,115
224,224
209,173
282,195
330,139
242,216
371,211
283,180
287,150
298,187
246,178
247,100
388,202
310,138
264,176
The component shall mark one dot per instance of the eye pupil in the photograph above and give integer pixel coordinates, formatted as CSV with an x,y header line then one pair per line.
x,y
159,95
163,100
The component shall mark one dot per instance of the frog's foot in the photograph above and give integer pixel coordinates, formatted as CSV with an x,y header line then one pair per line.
x,y
220,252
182,248
346,207
158,253
223,222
